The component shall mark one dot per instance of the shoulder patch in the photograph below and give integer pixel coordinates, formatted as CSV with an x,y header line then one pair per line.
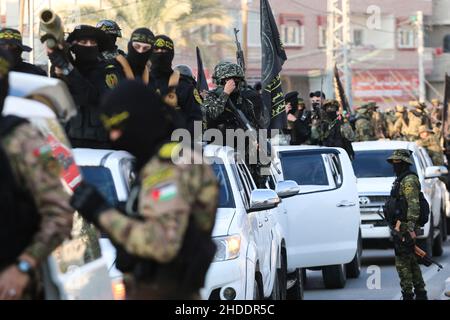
x,y
111,80
158,177
164,193
197,96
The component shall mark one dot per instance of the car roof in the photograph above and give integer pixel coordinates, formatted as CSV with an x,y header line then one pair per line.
x,y
225,153
299,147
97,157
383,145
27,108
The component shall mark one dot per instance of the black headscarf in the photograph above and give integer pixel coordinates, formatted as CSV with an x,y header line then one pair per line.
x,y
162,62
146,122
138,60
5,66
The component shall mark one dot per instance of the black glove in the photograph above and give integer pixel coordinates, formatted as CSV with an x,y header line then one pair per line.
x,y
59,59
89,203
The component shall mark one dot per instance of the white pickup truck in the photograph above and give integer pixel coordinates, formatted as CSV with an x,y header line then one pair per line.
x,y
375,177
321,224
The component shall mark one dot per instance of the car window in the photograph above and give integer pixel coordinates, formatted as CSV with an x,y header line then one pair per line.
x,y
246,184
373,164
305,169
226,199
336,170
102,179
270,183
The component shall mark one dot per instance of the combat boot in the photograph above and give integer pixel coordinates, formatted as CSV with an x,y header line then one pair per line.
x,y
407,295
421,295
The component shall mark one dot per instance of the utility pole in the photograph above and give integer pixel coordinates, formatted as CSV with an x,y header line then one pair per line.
x,y
244,13
21,14
338,45
31,28
420,51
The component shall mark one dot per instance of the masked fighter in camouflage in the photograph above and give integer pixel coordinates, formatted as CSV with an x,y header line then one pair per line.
x,y
164,237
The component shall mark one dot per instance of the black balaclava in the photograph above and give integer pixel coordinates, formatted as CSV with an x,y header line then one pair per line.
x,y
400,167
139,60
162,62
146,122
16,55
85,56
5,66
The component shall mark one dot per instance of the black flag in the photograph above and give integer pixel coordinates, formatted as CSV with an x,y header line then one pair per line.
x,y
445,116
273,58
202,84
340,92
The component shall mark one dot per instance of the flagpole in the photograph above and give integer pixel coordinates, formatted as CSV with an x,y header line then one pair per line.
x,y
244,12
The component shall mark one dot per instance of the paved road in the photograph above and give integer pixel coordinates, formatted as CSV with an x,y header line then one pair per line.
x,y
357,289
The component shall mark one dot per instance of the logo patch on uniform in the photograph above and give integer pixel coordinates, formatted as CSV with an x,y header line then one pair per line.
x,y
197,96
159,176
164,193
111,80
42,151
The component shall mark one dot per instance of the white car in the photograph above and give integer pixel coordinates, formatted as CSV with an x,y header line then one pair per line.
x,y
321,224
375,178
248,263
111,172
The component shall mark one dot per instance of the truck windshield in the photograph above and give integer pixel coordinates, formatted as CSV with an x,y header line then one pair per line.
x,y
305,169
373,164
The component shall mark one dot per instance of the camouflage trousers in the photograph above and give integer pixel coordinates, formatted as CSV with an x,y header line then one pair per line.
x,y
409,272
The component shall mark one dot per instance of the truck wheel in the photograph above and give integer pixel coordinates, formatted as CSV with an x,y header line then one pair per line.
x,y
448,225
279,285
444,226
354,267
334,277
296,292
257,294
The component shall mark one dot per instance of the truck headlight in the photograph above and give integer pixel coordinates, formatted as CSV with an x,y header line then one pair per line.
x,y
227,247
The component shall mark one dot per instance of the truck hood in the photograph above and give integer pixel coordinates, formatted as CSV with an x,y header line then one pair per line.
x,y
374,185
224,217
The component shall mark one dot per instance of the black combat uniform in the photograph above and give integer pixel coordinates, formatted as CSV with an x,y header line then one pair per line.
x,y
88,79
175,91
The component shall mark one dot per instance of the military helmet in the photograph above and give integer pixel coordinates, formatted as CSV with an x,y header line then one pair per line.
x,y
418,104
400,108
402,155
110,27
331,105
362,110
227,70
184,70
425,128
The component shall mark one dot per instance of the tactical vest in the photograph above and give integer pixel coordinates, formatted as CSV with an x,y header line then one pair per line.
x,y
334,138
186,272
19,218
396,207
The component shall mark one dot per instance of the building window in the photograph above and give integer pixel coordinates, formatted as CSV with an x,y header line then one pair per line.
x,y
406,38
322,36
358,39
292,35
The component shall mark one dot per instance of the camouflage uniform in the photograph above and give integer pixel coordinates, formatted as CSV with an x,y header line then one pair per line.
x,y
390,117
333,131
417,118
432,145
405,259
364,129
216,100
401,125
170,194
35,168
379,123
